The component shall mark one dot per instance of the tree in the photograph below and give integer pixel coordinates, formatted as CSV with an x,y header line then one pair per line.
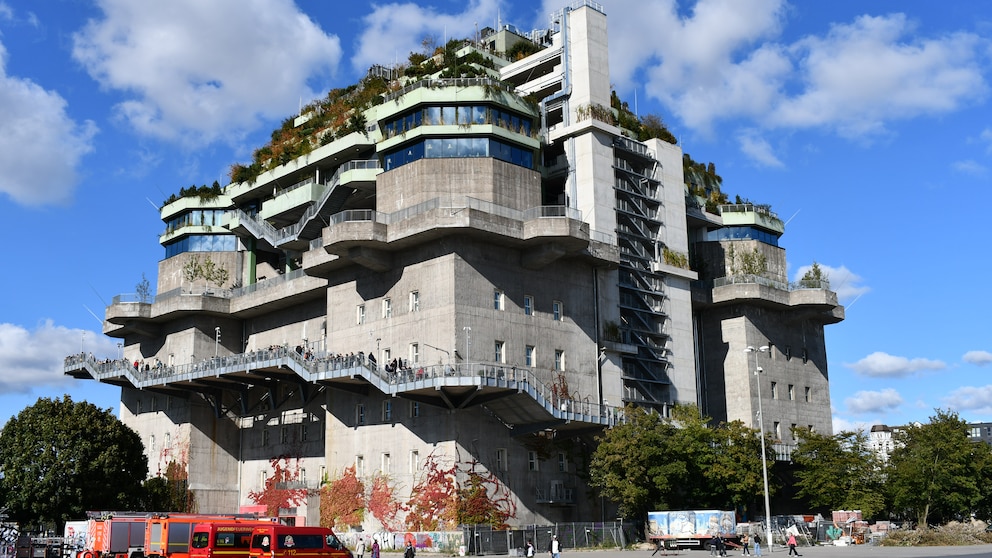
x,y
652,463
937,472
278,491
59,458
839,472
815,278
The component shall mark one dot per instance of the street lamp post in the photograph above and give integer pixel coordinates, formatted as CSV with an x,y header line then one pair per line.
x,y
468,333
764,459
216,340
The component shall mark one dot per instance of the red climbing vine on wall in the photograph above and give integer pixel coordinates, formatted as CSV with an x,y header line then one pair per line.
x,y
433,502
279,491
342,501
382,502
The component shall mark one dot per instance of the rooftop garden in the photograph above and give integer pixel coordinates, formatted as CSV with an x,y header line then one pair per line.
x,y
204,192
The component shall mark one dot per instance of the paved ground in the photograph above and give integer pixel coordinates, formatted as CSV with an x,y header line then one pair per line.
x,y
860,551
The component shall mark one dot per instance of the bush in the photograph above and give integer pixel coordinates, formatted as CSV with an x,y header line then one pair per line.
x,y
951,534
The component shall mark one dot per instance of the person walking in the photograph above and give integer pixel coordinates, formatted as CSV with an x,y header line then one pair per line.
x,y
757,544
792,546
375,548
554,548
529,550
360,547
745,542
410,552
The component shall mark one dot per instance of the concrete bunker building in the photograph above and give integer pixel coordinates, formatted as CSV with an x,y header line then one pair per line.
x,y
485,273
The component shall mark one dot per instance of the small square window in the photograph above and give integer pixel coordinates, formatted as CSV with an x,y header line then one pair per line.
x,y
528,305
533,463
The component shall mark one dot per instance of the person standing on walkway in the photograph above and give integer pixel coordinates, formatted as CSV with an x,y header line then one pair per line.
x,y
529,551
745,541
360,547
792,546
757,544
554,549
375,548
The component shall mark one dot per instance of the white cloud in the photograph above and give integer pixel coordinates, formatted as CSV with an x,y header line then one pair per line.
x,y
843,425
981,358
970,167
884,365
843,281
35,358
198,71
726,60
882,401
34,124
863,74
395,30
758,149
973,399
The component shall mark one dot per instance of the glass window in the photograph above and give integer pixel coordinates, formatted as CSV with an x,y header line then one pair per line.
x,y
414,462
529,357
556,310
497,299
387,308
498,349
415,301
387,410
559,359
433,116
464,115
528,305
479,115
360,314
808,394
774,390
414,353
448,116
387,463
500,459
533,463
562,462
360,414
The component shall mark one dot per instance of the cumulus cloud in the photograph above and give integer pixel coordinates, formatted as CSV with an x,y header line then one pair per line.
x,y
34,358
884,365
726,60
843,281
191,70
981,358
394,30
971,399
864,402
843,425
34,124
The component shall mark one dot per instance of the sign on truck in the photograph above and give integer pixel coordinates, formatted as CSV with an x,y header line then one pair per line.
x,y
691,528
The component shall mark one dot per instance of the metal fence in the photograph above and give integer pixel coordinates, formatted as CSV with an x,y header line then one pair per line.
x,y
483,539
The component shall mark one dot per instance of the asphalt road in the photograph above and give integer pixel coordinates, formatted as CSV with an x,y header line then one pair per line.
x,y
859,551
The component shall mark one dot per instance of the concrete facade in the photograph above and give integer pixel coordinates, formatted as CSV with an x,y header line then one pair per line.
x,y
525,302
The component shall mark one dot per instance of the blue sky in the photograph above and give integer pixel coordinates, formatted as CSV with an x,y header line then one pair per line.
x,y
866,126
